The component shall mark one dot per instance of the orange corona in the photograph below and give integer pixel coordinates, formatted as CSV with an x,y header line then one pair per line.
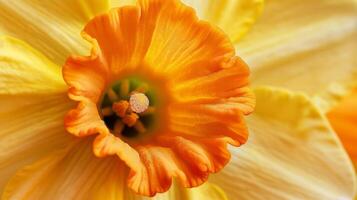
x,y
157,98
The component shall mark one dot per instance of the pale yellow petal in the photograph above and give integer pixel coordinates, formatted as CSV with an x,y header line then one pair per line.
x,y
72,174
235,17
206,191
292,153
75,173
31,126
119,3
53,27
25,70
335,93
115,189
304,45
33,103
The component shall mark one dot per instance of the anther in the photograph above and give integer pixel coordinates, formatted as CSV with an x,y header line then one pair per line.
x,y
130,119
120,108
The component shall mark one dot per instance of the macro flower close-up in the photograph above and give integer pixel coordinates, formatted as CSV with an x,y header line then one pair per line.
x,y
178,100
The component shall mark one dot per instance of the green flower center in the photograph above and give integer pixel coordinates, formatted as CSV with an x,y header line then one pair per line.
x,y
128,108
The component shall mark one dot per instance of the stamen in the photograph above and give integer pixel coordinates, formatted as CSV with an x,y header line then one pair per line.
x,y
143,88
120,108
113,97
130,119
149,111
139,126
107,111
139,102
118,127
124,88
125,108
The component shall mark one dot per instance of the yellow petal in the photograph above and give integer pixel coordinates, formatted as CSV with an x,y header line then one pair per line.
x,y
33,103
25,70
235,17
206,191
303,45
72,174
292,153
119,3
53,27
31,127
114,190
76,173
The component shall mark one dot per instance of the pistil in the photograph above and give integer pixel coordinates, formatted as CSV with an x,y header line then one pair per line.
x,y
139,103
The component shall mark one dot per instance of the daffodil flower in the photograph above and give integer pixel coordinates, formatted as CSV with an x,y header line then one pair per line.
x,y
179,100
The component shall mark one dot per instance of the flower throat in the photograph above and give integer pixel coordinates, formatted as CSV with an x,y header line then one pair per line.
x,y
128,108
